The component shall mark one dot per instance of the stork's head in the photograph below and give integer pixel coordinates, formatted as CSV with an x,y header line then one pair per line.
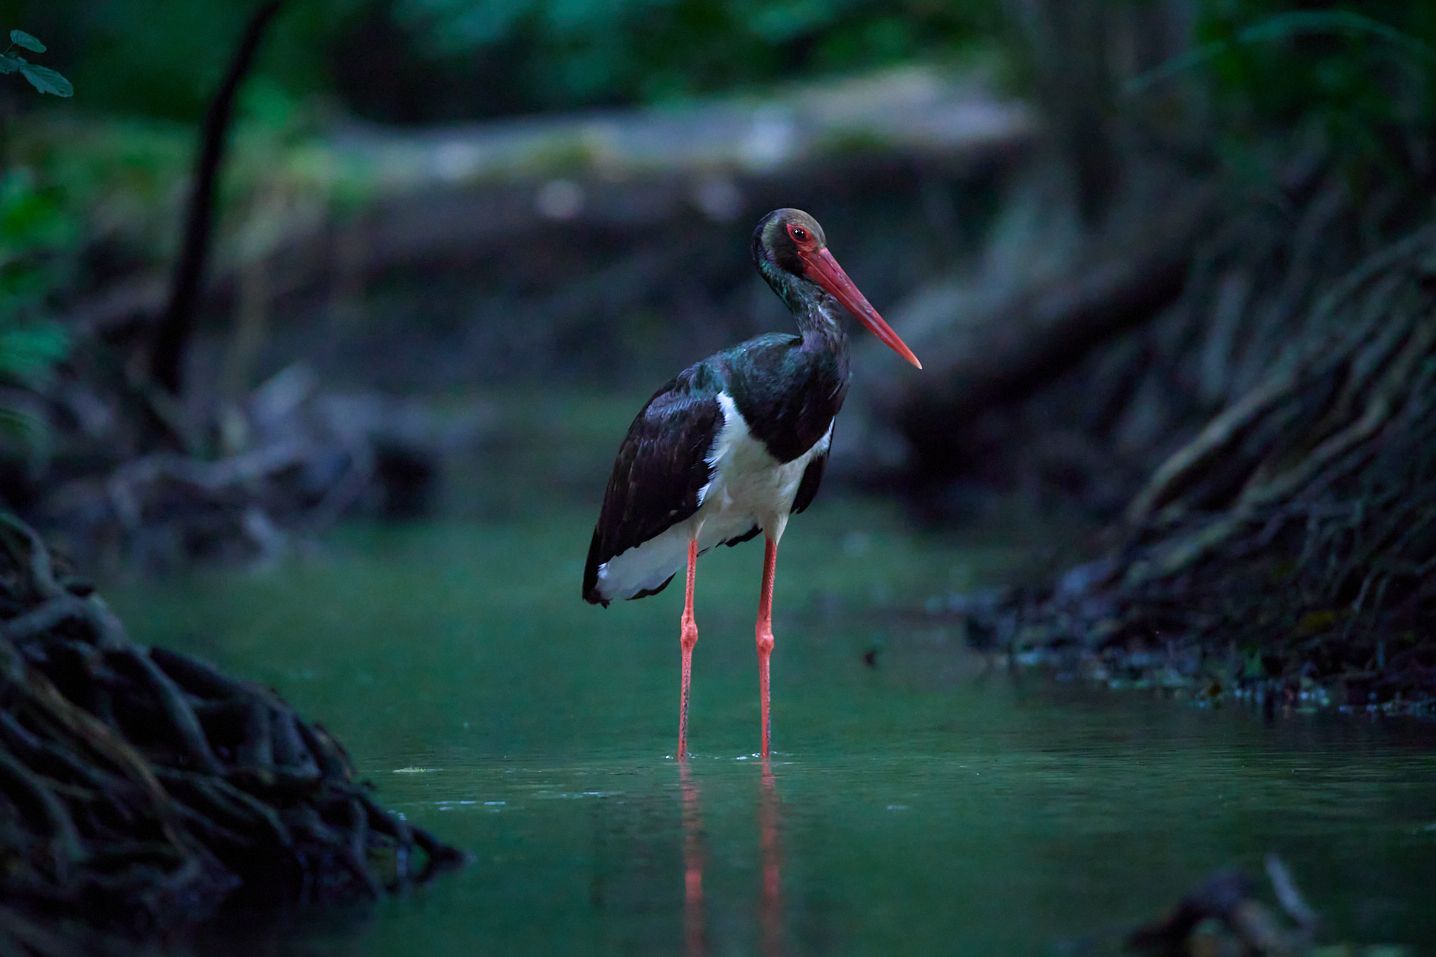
x,y
791,252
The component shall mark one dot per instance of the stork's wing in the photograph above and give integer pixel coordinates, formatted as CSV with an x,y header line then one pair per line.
x,y
660,470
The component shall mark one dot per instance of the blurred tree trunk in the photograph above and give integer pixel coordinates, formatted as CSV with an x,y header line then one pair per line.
x,y
1080,54
177,324
1072,77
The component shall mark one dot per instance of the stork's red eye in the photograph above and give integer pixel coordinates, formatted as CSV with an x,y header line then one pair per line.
x,y
799,234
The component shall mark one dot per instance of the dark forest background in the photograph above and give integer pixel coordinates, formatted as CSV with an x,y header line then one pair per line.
x,y
268,266
1167,261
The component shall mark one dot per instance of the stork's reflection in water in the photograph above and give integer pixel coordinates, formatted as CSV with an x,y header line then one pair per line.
x,y
770,847
695,931
695,859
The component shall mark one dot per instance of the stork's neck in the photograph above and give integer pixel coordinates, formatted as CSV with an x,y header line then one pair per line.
x,y
818,314
820,322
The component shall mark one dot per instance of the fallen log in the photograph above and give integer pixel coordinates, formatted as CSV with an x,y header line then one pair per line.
x,y
1053,302
455,193
1022,340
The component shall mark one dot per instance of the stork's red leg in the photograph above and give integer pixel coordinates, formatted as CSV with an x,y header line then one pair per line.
x,y
687,638
765,632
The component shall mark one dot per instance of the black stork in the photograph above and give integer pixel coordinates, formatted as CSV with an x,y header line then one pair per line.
x,y
734,444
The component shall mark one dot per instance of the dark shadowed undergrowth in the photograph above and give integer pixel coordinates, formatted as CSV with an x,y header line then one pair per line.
x,y
1287,548
141,788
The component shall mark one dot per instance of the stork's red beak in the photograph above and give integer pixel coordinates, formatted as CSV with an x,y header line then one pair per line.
x,y
824,270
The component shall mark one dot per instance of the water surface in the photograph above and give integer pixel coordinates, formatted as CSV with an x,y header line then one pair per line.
x,y
921,800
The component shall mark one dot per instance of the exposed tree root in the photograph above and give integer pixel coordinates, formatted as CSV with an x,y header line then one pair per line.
x,y
1290,544
139,787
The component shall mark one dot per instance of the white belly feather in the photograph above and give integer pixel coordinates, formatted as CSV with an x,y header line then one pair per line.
x,y
748,487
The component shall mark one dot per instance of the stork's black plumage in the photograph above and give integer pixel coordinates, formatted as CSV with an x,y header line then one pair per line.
x,y
666,461
736,443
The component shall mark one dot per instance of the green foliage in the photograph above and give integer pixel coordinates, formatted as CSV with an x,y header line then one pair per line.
x,y
37,236
1356,72
559,53
29,350
42,78
420,60
152,59
32,226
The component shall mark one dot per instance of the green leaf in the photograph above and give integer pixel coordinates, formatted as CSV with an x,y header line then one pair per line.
x,y
10,63
22,39
47,80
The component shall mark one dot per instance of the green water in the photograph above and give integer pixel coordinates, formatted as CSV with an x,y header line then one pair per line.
x,y
923,803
